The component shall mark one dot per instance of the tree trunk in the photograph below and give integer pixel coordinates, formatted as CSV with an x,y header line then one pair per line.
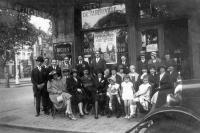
x,y
6,73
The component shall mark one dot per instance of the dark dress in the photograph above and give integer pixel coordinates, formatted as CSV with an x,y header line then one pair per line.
x,y
154,84
81,67
89,88
72,86
164,89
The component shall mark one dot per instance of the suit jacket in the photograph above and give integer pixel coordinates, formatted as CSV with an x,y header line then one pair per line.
x,y
58,70
38,77
141,65
98,66
81,67
101,85
125,66
165,82
173,77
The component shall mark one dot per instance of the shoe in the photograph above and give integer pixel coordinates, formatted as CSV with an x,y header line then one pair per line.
x,y
81,115
46,113
118,116
71,116
96,117
132,116
86,113
37,115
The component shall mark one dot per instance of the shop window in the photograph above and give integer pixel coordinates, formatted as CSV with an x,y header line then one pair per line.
x,y
149,40
112,44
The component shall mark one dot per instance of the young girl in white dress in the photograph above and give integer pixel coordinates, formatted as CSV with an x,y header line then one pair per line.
x,y
127,94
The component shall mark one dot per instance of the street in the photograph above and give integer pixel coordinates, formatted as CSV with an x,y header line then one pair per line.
x,y
18,112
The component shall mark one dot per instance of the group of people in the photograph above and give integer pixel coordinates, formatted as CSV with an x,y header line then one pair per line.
x,y
119,90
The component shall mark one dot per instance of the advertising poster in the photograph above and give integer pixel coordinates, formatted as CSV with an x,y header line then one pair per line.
x,y
98,18
105,42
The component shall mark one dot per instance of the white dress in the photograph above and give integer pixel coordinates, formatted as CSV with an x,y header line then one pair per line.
x,y
127,93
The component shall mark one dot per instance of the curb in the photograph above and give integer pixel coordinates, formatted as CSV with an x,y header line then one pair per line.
x,y
49,130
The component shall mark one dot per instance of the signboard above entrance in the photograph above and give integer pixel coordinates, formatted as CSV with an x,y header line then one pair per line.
x,y
104,17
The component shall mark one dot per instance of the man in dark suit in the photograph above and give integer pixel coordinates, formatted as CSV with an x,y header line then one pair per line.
x,y
45,99
38,78
81,65
153,78
125,64
54,66
98,64
173,74
142,63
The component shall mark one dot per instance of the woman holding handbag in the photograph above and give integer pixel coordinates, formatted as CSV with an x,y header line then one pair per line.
x,y
59,98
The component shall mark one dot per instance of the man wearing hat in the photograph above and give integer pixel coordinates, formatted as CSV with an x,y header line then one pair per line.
x,y
154,61
98,63
172,73
54,66
38,78
168,60
81,65
142,62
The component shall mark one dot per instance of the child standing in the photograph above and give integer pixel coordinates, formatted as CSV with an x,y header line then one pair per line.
x,y
114,97
127,94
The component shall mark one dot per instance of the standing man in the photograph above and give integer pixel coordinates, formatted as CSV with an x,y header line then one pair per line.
x,y
54,66
142,62
154,61
38,76
81,65
66,64
98,64
45,99
125,64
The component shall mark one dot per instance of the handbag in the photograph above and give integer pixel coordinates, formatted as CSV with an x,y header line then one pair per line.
x,y
59,98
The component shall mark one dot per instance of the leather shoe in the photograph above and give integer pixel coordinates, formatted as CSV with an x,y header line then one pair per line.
x,y
81,115
96,117
37,115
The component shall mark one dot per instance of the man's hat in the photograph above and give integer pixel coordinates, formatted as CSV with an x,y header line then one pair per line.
x,y
162,66
53,72
114,67
40,59
66,70
142,53
153,53
74,71
112,79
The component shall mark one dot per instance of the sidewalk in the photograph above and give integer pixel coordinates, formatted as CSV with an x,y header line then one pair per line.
x,y
24,118
22,82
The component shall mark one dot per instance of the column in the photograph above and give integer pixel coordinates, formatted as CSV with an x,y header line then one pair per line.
x,y
194,43
132,13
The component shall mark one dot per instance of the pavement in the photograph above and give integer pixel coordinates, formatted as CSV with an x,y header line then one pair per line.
x,y
18,111
22,82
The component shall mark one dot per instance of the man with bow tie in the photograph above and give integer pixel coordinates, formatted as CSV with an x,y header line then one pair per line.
x,y
38,78
54,66
98,64
81,65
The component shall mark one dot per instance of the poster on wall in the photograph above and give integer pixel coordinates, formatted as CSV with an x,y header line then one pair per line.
x,y
105,42
104,17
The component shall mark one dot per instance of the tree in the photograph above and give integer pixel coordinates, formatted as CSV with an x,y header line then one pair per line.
x,y
15,32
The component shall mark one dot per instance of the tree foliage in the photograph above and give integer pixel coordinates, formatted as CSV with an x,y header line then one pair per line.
x,y
15,32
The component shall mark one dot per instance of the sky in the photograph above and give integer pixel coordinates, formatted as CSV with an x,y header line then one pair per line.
x,y
40,22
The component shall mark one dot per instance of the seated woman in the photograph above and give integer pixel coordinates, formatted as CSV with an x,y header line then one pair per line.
x,y
75,88
89,88
59,98
142,96
100,98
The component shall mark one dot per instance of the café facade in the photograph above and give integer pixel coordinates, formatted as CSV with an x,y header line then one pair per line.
x,y
120,27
